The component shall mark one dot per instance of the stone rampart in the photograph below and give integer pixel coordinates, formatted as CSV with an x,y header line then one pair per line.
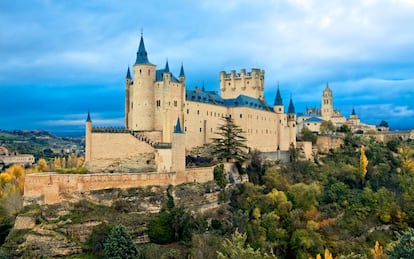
x,y
49,188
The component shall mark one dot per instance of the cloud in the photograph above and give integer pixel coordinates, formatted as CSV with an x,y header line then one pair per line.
x,y
359,47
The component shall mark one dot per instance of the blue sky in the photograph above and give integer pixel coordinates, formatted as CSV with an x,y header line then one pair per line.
x,y
61,58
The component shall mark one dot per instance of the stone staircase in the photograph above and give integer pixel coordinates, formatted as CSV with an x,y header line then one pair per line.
x,y
142,137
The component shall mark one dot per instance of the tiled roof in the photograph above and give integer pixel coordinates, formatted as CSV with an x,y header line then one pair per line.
x,y
159,76
212,97
314,119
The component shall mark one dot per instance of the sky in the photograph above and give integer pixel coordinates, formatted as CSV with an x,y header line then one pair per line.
x,y
59,59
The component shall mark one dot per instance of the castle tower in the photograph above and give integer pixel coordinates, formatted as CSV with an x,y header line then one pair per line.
x,y
327,104
128,84
250,84
178,148
291,120
141,93
88,138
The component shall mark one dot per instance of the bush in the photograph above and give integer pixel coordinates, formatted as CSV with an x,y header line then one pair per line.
x,y
219,176
95,242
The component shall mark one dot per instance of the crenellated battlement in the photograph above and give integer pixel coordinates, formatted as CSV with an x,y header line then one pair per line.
x,y
242,74
244,83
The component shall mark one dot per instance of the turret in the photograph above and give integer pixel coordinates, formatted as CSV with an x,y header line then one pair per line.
x,y
88,137
182,75
278,105
141,100
128,83
291,120
178,149
167,74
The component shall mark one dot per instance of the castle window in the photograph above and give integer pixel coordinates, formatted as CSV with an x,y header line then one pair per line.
x,y
198,112
241,115
140,71
158,103
185,129
188,111
175,103
201,130
149,72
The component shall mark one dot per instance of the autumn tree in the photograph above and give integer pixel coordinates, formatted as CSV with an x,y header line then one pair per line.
x,y
42,165
230,145
378,252
363,162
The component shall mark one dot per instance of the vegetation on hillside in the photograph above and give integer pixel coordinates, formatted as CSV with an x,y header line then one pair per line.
x,y
354,202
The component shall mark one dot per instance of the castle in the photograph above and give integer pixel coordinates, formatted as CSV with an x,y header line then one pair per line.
x,y
164,119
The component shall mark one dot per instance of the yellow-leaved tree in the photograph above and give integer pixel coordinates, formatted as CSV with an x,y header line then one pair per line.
x,y
11,189
378,252
363,162
407,157
42,165
327,255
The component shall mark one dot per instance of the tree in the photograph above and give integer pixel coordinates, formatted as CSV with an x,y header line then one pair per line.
x,y
308,135
363,162
236,248
404,248
42,165
378,252
327,127
119,244
231,143
219,177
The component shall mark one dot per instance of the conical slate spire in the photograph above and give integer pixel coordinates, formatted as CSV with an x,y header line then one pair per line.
x,y
177,128
182,71
128,75
353,111
88,119
167,67
278,99
142,57
291,108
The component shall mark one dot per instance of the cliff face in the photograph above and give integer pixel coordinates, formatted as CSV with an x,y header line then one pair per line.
x,y
61,229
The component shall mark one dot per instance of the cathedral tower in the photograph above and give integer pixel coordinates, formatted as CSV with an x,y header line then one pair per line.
x,y
327,104
141,93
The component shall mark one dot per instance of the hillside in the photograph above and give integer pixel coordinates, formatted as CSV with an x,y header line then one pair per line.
x,y
345,200
41,144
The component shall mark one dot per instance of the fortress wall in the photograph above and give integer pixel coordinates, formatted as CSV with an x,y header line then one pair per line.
x,y
48,188
260,127
116,145
200,123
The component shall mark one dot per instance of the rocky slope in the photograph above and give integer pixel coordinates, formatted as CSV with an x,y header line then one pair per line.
x,y
60,230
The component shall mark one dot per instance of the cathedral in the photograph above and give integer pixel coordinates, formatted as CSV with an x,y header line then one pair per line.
x,y
164,119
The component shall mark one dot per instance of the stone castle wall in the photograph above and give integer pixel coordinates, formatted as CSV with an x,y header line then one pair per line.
x,y
49,188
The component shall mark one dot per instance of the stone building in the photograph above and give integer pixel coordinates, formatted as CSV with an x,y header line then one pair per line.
x,y
164,119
